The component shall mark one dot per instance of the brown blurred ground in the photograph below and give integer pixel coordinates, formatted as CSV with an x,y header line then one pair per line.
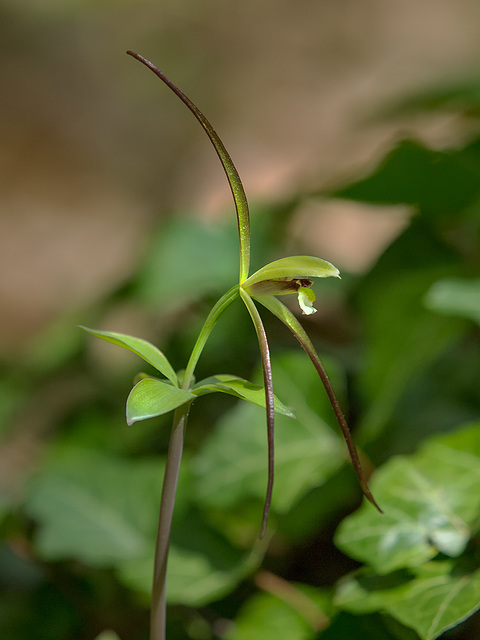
x,y
94,150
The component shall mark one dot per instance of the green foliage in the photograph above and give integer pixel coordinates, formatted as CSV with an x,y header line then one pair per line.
x,y
102,510
457,297
431,501
202,255
142,348
239,388
230,466
78,539
151,397
432,504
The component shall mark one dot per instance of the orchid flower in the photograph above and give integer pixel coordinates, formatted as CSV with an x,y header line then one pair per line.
x,y
153,396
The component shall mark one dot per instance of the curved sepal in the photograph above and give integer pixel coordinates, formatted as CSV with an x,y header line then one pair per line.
x,y
240,388
293,267
151,397
284,314
142,348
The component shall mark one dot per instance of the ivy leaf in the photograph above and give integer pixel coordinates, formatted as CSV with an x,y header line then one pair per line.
x,y
293,267
240,388
151,397
142,348
102,510
438,182
431,598
430,501
95,508
202,564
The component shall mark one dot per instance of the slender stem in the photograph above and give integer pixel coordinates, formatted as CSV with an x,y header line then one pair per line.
x,y
224,302
236,186
287,317
158,608
269,399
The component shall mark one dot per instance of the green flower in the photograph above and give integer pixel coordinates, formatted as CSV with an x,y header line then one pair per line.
x,y
290,275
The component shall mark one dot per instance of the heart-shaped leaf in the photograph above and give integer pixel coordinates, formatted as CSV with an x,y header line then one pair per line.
x,y
430,598
142,348
293,267
430,501
152,397
240,388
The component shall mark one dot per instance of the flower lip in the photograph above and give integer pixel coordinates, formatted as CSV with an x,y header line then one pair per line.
x,y
277,286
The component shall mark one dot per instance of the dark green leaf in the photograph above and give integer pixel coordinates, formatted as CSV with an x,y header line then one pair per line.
x,y
434,598
346,626
403,339
438,182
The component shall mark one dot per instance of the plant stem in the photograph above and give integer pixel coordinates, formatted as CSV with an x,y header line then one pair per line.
x,y
174,457
224,302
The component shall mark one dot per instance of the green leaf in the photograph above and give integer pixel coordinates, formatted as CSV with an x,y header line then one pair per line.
x,y
290,610
240,388
266,617
201,255
95,508
430,501
202,565
458,297
142,348
103,511
431,598
151,397
293,267
438,182
231,467
404,338
346,626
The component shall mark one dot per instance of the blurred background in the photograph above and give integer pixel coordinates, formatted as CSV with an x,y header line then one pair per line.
x,y
115,213
95,152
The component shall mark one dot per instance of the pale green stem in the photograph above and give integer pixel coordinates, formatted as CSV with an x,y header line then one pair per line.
x,y
174,457
236,186
269,399
224,302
